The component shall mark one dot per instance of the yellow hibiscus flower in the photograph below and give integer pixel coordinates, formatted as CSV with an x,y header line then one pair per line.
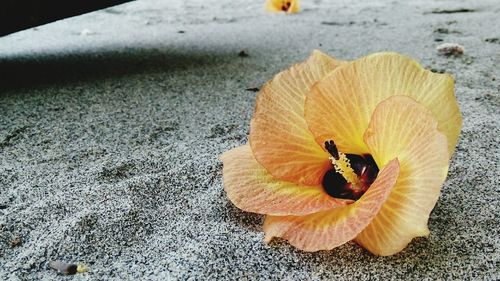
x,y
343,151
287,6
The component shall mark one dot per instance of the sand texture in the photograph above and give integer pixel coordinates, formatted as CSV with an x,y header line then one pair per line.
x,y
111,125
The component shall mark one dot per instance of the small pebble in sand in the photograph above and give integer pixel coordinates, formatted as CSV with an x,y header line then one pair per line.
x,y
67,268
15,241
448,49
86,32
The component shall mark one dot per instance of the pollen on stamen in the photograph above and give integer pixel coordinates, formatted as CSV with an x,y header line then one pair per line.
x,y
342,166
341,163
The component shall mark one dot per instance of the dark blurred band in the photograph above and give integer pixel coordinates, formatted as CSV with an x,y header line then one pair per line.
x,y
16,15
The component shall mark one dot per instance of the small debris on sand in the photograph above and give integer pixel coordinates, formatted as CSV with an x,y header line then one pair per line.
x,y
492,40
435,70
67,268
86,32
331,23
243,54
252,89
339,23
448,49
452,11
15,241
443,30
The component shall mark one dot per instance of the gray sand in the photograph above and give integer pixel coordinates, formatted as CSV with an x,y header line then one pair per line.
x,y
109,141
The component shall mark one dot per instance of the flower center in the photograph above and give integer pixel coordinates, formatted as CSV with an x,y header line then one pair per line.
x,y
351,174
285,5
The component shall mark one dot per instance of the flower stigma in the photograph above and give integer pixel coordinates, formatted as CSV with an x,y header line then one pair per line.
x,y
351,174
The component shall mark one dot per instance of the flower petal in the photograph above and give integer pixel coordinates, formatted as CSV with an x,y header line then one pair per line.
x,y
339,107
329,229
279,136
251,188
400,127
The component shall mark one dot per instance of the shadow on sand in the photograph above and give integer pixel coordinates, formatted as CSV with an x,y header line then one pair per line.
x,y
28,71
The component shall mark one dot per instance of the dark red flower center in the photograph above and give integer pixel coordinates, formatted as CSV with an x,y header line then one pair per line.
x,y
285,5
364,167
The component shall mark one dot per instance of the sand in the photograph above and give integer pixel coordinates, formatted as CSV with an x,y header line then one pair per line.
x,y
111,125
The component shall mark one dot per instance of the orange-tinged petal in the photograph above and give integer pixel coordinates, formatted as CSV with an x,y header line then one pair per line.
x,y
329,229
251,188
279,135
289,6
339,107
400,127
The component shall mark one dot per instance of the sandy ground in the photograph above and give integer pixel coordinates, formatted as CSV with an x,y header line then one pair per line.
x,y
109,139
